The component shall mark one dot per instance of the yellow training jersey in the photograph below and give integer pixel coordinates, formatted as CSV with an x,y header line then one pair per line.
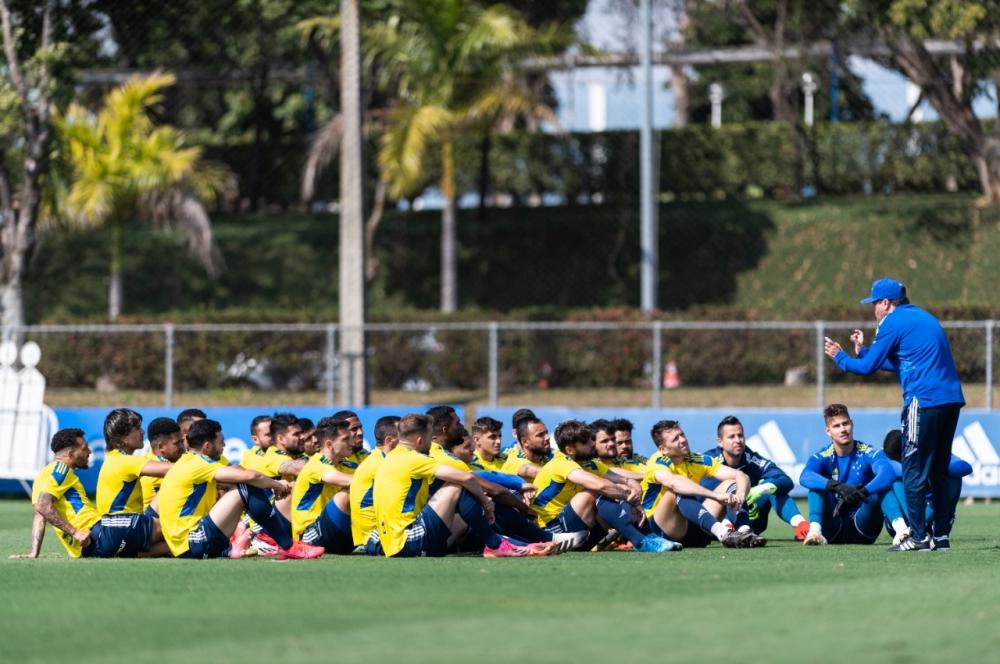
x,y
635,463
695,467
118,488
271,462
150,485
517,458
253,459
401,488
496,465
70,500
187,494
362,498
350,464
445,457
555,490
310,493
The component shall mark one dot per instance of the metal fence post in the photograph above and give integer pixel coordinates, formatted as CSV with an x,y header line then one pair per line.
x,y
989,364
494,364
820,365
331,358
168,365
656,363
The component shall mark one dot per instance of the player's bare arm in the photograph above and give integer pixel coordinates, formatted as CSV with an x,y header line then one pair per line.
x,y
683,486
46,507
742,481
236,475
156,469
337,478
528,471
292,467
601,485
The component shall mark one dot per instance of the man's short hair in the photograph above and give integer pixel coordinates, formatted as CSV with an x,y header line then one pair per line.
x,y
413,424
305,424
521,430
65,438
441,414
160,428
621,424
202,432
893,444
330,430
656,433
835,410
257,421
344,415
386,426
521,414
607,426
572,432
282,422
727,421
118,424
189,414
486,425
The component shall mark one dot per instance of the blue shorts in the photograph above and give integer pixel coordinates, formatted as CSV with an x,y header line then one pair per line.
x,y
325,533
120,535
427,536
567,521
206,541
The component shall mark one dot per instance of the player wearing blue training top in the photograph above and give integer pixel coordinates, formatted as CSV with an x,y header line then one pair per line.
x,y
850,486
957,469
769,484
910,342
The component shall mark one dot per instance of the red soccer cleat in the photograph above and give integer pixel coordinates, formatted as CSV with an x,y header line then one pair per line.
x,y
801,531
543,549
301,551
506,550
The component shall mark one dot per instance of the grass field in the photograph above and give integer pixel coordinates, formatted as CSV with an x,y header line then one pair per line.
x,y
782,603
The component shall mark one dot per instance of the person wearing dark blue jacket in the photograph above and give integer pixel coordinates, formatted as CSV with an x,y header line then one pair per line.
x,y
957,469
850,486
911,343
769,484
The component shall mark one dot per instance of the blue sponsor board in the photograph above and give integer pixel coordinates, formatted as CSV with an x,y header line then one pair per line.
x,y
235,427
790,436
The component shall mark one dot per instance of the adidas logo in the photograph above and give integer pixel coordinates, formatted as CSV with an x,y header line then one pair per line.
x,y
974,446
771,443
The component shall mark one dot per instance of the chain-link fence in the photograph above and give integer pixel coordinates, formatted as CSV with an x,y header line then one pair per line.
x,y
549,362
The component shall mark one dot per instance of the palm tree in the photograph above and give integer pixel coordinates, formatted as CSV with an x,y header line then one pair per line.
x,y
123,167
447,65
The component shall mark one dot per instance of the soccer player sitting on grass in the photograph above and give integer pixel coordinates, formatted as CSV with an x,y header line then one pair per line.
x,y
260,435
850,487
363,483
576,493
118,487
769,484
627,458
409,523
958,468
486,438
166,443
531,451
197,523
60,499
321,508
680,507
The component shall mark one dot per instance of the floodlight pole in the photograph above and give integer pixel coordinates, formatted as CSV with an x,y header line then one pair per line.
x,y
648,231
353,379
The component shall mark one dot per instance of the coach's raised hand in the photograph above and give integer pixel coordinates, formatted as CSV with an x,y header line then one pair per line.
x,y
831,347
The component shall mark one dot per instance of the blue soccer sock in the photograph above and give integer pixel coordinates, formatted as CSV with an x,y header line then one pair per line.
x,y
258,505
472,513
619,514
693,510
785,506
817,503
891,508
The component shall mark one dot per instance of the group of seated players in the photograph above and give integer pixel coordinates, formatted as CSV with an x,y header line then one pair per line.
x,y
431,487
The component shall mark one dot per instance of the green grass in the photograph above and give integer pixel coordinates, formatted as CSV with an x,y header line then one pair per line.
x,y
781,603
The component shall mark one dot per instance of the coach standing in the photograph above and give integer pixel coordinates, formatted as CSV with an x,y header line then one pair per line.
x,y
911,342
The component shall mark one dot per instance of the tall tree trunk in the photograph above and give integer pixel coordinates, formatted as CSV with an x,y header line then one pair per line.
x,y
485,147
449,231
371,227
116,294
680,87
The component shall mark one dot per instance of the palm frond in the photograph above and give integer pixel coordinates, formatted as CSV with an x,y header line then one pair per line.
x,y
412,130
176,208
324,146
325,30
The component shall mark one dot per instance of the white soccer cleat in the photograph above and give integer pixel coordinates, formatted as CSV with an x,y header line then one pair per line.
x,y
570,541
814,539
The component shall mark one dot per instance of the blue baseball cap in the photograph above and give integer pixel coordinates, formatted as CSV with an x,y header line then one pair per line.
x,y
885,289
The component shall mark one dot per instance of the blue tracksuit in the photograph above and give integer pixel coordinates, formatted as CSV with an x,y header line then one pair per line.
x,y
760,470
866,466
911,342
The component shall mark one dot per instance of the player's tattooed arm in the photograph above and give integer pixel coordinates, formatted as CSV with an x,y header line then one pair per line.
x,y
292,467
47,508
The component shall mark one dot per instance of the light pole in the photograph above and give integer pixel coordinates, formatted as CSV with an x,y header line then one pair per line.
x,y
715,95
809,88
648,231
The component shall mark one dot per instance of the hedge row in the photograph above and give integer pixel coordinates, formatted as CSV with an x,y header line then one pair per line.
x,y
456,359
